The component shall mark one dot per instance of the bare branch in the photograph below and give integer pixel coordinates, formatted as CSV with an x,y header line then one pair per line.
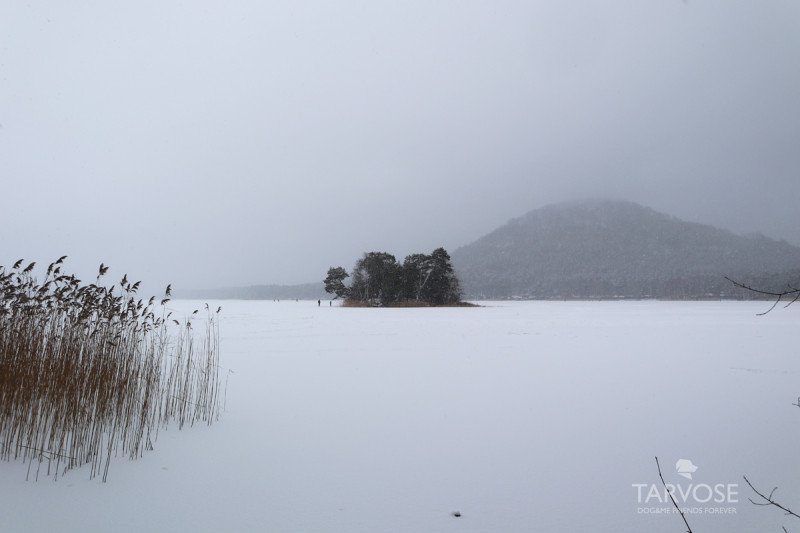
x,y
796,297
769,501
771,308
688,528
759,291
778,295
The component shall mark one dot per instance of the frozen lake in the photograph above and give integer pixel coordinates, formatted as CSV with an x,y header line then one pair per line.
x,y
521,416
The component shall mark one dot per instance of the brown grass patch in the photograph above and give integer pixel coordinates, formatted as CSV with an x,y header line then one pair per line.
x,y
89,372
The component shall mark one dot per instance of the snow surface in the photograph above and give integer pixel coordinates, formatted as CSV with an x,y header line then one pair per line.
x,y
522,416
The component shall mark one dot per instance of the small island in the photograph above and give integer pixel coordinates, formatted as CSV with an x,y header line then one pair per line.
x,y
378,280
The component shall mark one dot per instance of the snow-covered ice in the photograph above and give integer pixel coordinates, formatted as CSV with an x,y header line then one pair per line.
x,y
522,416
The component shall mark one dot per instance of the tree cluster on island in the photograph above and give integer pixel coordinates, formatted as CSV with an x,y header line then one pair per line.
x,y
378,279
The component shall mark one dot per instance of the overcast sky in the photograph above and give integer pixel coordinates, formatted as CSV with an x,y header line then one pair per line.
x,y
213,144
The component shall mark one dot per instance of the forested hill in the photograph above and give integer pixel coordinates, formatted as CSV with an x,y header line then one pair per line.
x,y
606,249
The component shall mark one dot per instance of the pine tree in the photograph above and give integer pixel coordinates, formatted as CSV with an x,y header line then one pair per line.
x,y
442,286
334,283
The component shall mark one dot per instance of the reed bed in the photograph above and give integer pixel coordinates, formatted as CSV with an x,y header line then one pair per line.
x,y
88,372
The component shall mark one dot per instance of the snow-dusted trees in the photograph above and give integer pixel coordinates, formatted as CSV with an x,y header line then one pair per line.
x,y
431,278
442,284
416,272
378,278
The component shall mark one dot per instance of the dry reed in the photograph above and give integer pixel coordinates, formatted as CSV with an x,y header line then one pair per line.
x,y
89,372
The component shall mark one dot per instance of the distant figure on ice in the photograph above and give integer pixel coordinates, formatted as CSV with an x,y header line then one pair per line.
x,y
319,302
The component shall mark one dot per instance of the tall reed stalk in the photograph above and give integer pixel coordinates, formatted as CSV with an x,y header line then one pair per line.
x,y
88,372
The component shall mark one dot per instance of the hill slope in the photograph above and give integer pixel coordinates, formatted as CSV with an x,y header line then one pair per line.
x,y
603,249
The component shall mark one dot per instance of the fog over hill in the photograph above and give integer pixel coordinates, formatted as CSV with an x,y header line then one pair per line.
x,y
595,249
609,248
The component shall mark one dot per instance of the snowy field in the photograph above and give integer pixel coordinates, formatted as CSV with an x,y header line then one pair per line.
x,y
521,416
